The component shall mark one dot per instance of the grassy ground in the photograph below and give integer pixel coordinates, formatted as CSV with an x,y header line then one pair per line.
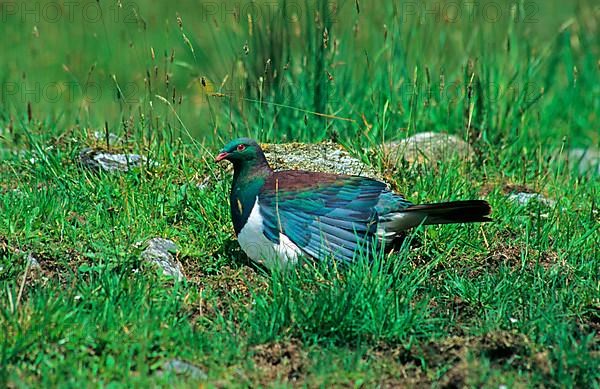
x,y
515,302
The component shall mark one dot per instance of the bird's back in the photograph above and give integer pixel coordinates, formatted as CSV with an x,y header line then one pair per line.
x,y
324,214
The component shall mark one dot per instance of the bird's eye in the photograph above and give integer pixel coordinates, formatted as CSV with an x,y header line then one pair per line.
x,y
241,147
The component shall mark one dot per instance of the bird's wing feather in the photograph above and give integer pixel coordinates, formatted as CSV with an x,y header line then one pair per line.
x,y
324,214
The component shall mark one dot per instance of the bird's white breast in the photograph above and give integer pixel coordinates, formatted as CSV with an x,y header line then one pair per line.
x,y
260,249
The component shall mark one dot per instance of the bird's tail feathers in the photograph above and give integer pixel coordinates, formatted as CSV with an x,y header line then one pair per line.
x,y
468,211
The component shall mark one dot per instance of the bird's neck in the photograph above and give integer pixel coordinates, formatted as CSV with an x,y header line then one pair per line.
x,y
248,179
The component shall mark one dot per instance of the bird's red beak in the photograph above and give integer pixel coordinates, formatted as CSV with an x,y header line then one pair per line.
x,y
221,156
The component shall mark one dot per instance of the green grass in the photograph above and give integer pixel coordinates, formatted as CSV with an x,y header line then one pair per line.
x,y
515,302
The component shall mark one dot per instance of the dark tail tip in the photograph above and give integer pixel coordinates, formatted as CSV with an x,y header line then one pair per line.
x,y
467,211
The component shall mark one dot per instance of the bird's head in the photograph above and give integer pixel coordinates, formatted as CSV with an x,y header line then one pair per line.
x,y
241,151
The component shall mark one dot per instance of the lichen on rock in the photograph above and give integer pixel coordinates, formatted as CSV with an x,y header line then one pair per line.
x,y
161,252
325,157
428,147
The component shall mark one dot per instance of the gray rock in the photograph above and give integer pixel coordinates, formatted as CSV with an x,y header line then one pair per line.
x,y
160,252
180,367
110,162
523,198
33,262
585,160
326,157
428,147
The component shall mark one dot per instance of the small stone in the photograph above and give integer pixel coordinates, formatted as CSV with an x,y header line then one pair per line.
x,y
160,252
428,147
33,262
523,198
587,161
180,367
110,162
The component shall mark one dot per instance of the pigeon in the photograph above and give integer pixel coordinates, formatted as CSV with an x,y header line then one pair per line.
x,y
280,216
